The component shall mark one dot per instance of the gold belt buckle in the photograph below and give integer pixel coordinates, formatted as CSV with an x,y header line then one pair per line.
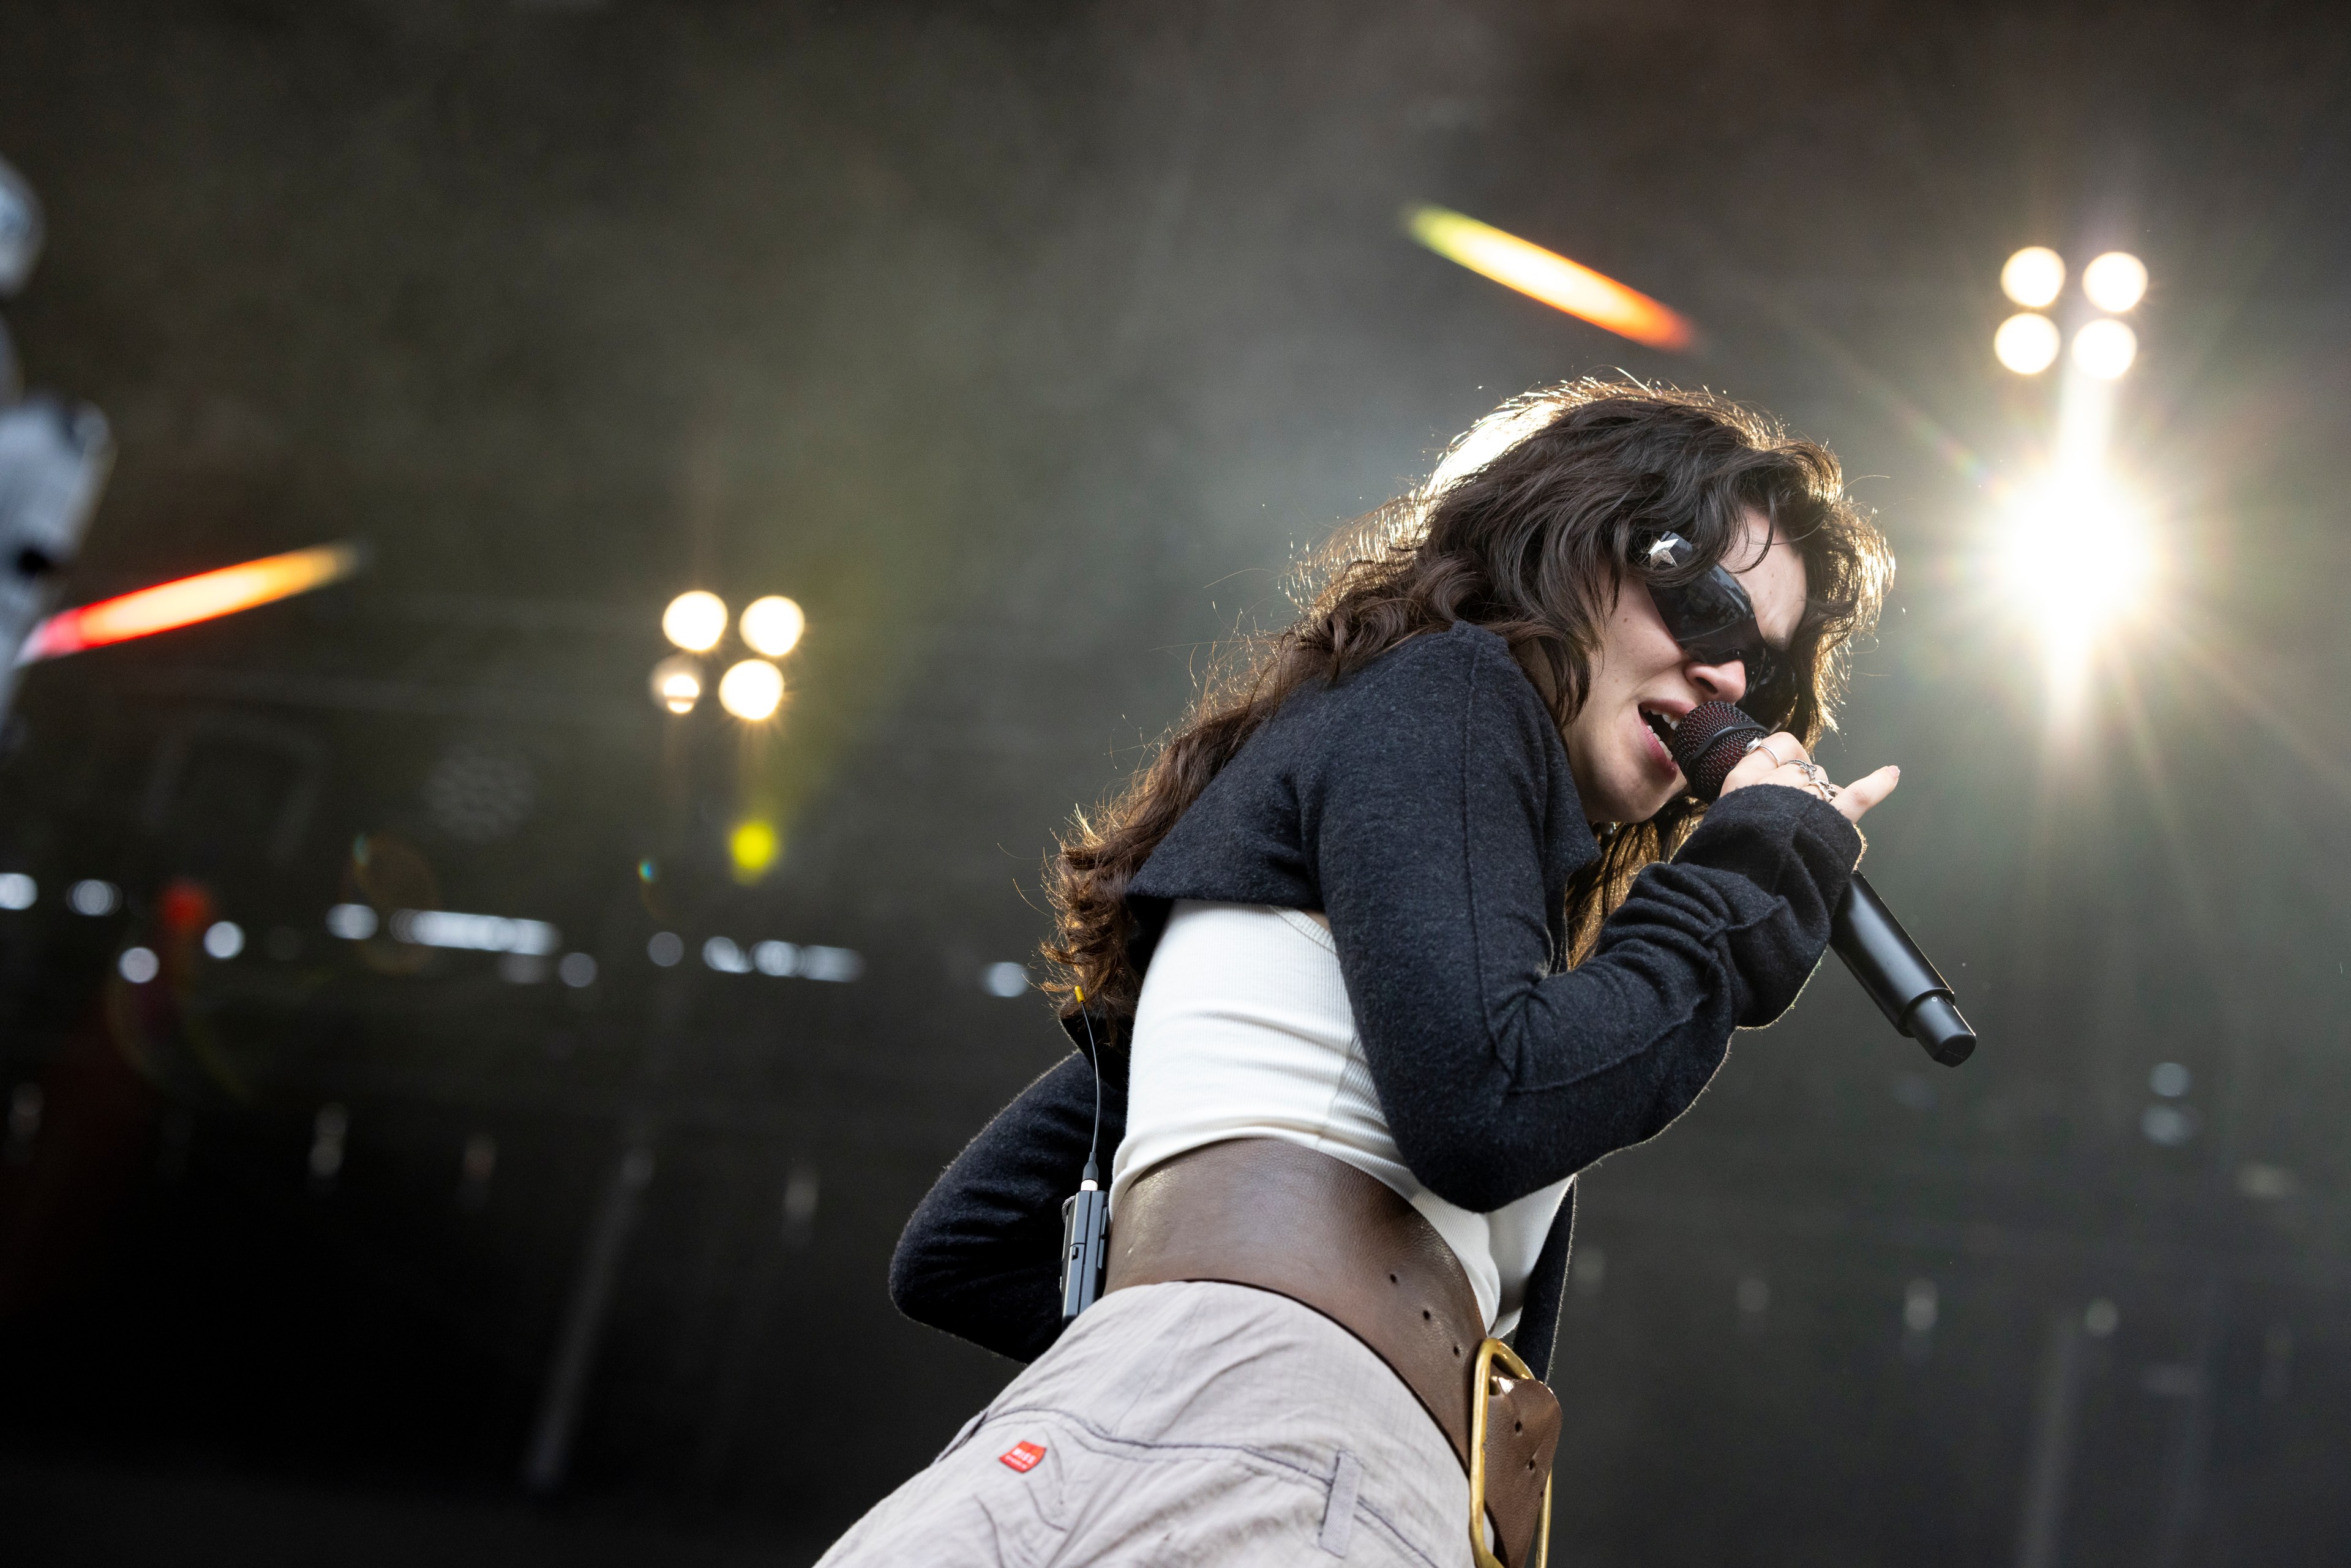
x,y
1483,1389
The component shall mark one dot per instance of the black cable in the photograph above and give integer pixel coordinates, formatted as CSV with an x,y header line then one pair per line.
x,y
1092,1173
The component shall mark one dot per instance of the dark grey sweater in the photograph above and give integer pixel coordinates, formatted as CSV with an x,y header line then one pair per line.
x,y
1426,806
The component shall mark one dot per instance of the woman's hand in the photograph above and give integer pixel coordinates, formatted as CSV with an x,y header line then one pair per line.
x,y
1781,759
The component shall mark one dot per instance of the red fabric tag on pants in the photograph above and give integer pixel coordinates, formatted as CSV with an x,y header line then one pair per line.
x,y
1023,1457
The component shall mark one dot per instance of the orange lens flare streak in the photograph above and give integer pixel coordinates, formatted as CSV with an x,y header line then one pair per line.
x,y
204,597
1550,277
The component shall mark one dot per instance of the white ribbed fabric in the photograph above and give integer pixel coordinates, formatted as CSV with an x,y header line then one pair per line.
x,y
1244,1031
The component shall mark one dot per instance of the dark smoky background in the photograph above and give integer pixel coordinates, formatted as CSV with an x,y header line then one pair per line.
x,y
1027,346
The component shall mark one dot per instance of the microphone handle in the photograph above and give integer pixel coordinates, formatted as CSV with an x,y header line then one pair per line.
x,y
1914,998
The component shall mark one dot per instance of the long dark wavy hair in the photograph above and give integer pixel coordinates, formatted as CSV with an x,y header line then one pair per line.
x,y
1527,528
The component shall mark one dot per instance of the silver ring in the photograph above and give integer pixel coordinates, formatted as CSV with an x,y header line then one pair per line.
x,y
1763,745
1818,777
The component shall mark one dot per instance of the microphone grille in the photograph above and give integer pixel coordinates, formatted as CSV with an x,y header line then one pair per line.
x,y
1708,743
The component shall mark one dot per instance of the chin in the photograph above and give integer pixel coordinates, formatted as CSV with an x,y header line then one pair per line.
x,y
1638,804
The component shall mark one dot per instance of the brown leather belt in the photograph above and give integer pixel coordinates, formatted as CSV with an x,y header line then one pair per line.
x,y
1272,1215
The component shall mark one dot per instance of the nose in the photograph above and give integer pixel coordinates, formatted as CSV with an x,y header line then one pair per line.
x,y
1725,682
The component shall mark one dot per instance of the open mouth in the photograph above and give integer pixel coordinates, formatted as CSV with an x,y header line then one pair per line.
x,y
1660,724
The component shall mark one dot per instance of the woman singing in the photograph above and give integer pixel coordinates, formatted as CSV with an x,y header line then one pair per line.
x,y
1402,927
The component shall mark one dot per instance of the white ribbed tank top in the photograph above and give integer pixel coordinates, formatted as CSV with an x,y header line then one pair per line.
x,y
1244,1031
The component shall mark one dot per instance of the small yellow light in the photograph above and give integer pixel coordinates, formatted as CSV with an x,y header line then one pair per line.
x,y
695,620
2104,349
772,625
677,682
2026,343
753,846
752,690
2033,276
2115,281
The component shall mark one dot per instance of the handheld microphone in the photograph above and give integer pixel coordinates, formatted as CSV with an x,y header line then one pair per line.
x,y
1711,739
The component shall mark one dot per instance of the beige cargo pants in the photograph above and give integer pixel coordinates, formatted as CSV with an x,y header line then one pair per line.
x,y
1184,1423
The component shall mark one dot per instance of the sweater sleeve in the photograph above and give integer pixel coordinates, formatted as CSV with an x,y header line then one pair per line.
x,y
1497,1075
980,1257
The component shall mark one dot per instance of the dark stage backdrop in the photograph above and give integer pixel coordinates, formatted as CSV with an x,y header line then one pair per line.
x,y
1025,345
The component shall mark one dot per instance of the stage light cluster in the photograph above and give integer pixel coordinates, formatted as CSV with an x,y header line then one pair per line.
x,y
2076,555
752,689
2028,341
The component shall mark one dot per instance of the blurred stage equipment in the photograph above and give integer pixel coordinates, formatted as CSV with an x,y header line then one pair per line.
x,y
20,247
1550,277
208,595
53,455
475,933
21,230
1708,743
54,458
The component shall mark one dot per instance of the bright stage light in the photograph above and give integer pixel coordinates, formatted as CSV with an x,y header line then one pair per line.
x,y
772,625
2026,343
677,682
2115,281
2076,560
352,922
204,597
695,620
2104,349
752,690
475,933
753,847
2033,276
1550,277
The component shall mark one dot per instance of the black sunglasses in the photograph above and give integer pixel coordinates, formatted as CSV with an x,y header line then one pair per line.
x,y
1713,620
